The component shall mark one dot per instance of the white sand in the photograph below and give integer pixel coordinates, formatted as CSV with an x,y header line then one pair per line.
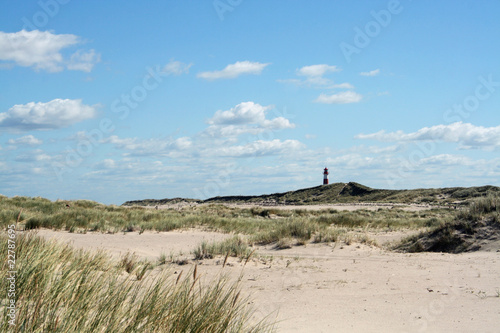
x,y
355,288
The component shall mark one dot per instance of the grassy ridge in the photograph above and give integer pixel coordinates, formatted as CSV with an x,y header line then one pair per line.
x,y
345,193
60,289
86,216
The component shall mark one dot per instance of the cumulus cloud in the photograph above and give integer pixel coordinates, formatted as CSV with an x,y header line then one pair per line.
x,y
234,70
317,70
28,140
344,97
176,68
467,135
374,72
57,113
243,113
42,51
246,117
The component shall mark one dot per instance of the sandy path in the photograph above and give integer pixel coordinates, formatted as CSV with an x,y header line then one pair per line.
x,y
355,288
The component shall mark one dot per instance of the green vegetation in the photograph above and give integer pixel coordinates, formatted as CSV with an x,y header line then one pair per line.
x,y
60,289
470,228
235,247
254,225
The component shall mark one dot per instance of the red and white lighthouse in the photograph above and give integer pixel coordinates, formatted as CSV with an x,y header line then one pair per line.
x,y
325,177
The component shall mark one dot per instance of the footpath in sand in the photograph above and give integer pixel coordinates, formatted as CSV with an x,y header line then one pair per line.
x,y
339,288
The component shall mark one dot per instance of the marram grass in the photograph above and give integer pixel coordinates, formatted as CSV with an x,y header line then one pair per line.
x,y
60,289
88,216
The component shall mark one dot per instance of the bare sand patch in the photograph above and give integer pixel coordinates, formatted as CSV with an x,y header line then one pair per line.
x,y
340,288
148,245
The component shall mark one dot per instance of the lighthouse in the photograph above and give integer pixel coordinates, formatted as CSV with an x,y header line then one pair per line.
x,y
325,177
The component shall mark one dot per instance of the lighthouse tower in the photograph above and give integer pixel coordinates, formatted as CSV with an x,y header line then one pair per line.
x,y
325,177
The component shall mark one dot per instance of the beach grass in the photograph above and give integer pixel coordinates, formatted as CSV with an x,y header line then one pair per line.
x,y
468,229
272,223
60,289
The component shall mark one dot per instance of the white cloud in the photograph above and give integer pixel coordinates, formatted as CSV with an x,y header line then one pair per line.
x,y
243,113
35,156
374,72
446,159
176,68
467,135
260,148
314,77
147,174
42,51
246,117
339,98
51,115
375,149
234,70
355,161
277,124
317,70
28,140
84,61
154,147
344,85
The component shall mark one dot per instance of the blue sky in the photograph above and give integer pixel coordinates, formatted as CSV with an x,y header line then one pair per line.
x,y
121,100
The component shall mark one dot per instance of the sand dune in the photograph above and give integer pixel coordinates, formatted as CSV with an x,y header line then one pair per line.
x,y
327,288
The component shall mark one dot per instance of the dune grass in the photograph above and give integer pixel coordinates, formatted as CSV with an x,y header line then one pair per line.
x,y
469,228
60,289
258,225
88,216
235,247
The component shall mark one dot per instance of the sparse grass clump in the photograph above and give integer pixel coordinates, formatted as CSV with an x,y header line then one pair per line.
x,y
60,289
284,243
327,236
234,247
298,228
